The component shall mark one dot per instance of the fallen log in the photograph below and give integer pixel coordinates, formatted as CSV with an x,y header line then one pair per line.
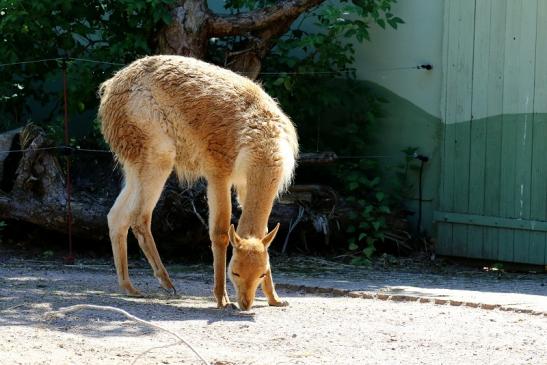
x,y
33,190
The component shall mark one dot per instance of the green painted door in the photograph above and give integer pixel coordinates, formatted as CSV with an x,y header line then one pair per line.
x,y
493,192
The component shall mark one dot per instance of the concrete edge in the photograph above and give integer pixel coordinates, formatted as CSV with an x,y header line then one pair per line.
x,y
404,298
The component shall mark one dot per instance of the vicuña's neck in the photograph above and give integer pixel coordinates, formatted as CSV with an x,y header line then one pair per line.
x,y
261,193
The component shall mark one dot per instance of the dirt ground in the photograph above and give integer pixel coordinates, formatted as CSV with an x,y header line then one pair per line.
x,y
313,329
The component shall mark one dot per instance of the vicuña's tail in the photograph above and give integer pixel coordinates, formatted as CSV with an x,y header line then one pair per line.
x,y
289,151
102,88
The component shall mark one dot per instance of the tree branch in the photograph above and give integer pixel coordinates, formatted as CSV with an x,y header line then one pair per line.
x,y
227,25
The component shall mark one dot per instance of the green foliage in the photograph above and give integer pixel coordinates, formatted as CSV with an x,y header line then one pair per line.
x,y
309,71
368,221
334,111
406,172
111,30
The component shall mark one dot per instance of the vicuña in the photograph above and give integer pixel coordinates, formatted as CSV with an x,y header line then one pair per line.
x,y
170,112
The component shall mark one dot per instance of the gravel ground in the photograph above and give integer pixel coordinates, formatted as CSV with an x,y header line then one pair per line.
x,y
314,329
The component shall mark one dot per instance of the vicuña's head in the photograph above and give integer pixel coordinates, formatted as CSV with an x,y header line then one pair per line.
x,y
249,264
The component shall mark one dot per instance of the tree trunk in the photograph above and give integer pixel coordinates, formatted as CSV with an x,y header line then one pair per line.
x,y
194,24
187,35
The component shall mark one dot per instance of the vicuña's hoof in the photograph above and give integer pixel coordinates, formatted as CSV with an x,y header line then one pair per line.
x,y
131,291
165,282
226,304
279,303
223,301
171,291
232,306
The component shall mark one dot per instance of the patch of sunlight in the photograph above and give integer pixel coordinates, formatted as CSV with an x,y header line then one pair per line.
x,y
28,278
95,292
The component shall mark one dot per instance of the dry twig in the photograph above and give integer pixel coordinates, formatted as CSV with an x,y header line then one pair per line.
x,y
78,307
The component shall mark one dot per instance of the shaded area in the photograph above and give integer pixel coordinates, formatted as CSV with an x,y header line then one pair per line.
x,y
26,296
316,328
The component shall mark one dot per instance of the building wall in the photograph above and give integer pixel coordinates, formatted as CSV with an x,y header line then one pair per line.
x,y
413,112
386,59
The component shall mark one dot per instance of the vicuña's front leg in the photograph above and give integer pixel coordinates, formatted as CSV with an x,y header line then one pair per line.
x,y
269,290
220,211
219,265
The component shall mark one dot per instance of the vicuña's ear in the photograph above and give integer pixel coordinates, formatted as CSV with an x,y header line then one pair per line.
x,y
270,236
235,240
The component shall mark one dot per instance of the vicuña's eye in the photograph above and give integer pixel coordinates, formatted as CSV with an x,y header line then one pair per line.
x,y
261,276
235,274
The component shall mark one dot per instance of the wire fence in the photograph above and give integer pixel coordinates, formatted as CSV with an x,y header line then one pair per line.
x,y
70,149
427,67
67,150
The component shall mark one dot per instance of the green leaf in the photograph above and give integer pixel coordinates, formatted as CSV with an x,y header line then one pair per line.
x,y
380,196
384,209
361,236
166,18
279,81
382,23
350,229
369,251
364,225
352,246
363,261
288,84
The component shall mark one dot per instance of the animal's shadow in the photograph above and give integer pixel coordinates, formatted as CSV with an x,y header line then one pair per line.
x,y
32,298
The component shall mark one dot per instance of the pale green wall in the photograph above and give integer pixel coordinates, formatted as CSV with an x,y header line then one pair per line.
x,y
407,125
417,42
413,110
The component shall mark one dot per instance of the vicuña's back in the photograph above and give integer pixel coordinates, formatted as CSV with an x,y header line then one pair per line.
x,y
212,115
169,112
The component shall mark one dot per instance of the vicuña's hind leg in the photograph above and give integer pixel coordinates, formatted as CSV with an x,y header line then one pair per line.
x,y
152,177
220,211
119,219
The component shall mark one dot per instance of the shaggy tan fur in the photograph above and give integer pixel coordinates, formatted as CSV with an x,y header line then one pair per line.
x,y
169,112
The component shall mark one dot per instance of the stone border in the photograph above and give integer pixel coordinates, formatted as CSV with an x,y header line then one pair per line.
x,y
403,298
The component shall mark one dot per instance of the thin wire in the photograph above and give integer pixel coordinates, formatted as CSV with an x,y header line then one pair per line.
x,y
78,149
276,73
303,73
91,150
427,67
363,157
31,61
29,149
399,68
61,59
96,61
